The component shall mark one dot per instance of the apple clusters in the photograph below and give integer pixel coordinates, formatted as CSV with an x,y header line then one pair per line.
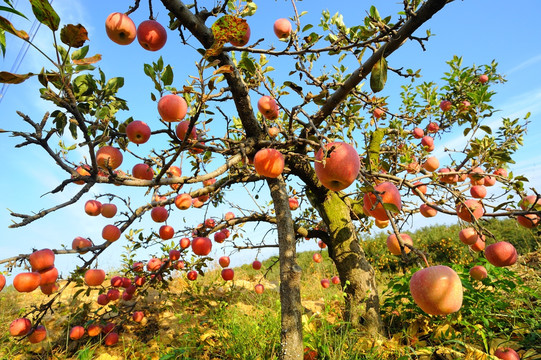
x,y
150,34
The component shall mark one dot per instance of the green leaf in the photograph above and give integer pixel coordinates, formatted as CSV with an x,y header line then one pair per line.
x,y
3,42
7,26
486,129
114,84
307,27
167,76
10,78
45,14
378,76
80,54
13,11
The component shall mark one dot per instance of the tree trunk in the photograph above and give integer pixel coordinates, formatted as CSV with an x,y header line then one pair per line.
x,y
290,274
362,300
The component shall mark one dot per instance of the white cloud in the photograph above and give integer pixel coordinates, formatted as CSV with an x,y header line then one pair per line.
x,y
524,64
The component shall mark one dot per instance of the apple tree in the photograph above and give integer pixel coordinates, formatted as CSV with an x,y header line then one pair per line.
x,y
319,137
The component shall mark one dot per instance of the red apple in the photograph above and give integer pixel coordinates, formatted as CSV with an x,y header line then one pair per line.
x,y
378,113
109,157
102,299
483,78
528,202
166,232
268,107
469,210
317,257
182,129
478,191
110,233
111,339
228,274
183,201
335,280
184,243
339,168
2,281
282,28
479,244
529,221
269,163
20,327
94,330
138,316
192,275
94,277
38,335
427,141
446,105
501,172
172,108
219,237
256,265
388,193
174,255
418,133
394,246
120,28
478,272
501,254
325,283
77,332
151,35
41,259
448,179
259,288
224,261
93,207
48,276
108,210
201,246
431,164
428,211
293,204
143,172
138,132
468,236
154,264
159,214
437,290
432,127
113,294
421,187
506,353
321,244
27,281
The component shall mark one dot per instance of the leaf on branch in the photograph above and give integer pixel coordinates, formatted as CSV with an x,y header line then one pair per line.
x,y
167,76
89,60
226,69
226,29
295,87
7,26
45,14
10,78
74,35
378,76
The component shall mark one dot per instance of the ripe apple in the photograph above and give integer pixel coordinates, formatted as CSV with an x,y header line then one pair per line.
x,y
378,113
432,127
126,282
528,202
317,257
139,280
309,354
27,281
418,133
475,176
172,108
108,210
143,172
116,281
388,193
282,28
184,243
83,171
382,224
228,274
428,211
259,288
394,246
154,264
120,28
448,179
431,164
490,180
174,255
110,233
182,129
113,294
2,281
339,168
478,191
501,254
226,232
529,221
77,332
421,187
209,182
483,78
138,132
151,35
20,327
268,107
219,237
111,339
201,246
501,172
224,261
137,266
468,236
470,209
210,223
109,157
427,141
413,167
478,272
38,335
48,276
325,283
506,353
229,216
335,280
446,105
166,232
192,275
94,330
138,316
41,259
108,328
183,201
93,207
321,244
256,265
269,163
273,131
159,214
437,290
293,204
479,244
94,277
48,289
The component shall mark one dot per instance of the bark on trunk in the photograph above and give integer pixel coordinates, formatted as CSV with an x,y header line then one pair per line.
x,y
362,299
290,275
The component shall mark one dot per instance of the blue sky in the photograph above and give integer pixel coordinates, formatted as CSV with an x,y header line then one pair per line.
x,y
475,30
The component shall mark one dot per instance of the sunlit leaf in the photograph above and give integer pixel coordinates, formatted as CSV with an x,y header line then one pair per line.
x,y
7,26
10,78
45,14
378,76
223,70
